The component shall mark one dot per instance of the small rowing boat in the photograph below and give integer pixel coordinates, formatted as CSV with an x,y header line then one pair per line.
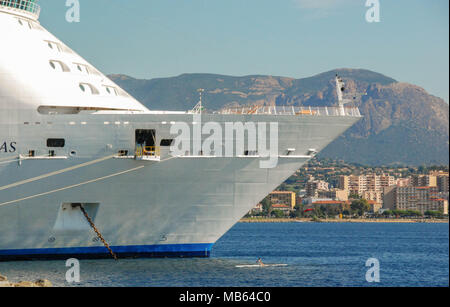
x,y
258,265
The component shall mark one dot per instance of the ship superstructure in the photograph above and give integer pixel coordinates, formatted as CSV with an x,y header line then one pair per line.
x,y
72,138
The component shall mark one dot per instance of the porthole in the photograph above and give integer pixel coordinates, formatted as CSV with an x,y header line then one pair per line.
x,y
20,22
73,153
50,45
82,87
107,89
79,68
52,65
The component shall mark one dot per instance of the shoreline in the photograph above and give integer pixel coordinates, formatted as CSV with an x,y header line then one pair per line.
x,y
42,283
309,220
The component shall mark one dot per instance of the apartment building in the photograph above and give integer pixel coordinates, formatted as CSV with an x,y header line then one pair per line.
x,y
335,194
424,181
287,198
376,196
420,199
442,183
403,182
365,183
313,187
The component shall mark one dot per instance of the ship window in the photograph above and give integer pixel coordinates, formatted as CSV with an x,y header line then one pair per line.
x,y
93,89
166,142
250,153
58,65
82,68
56,142
53,45
31,153
111,90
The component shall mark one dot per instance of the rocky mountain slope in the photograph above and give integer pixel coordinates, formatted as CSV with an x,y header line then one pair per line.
x,y
402,123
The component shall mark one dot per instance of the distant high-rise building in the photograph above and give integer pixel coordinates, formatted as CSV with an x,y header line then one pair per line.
x,y
373,183
424,181
403,182
376,196
387,181
283,197
389,197
420,199
365,183
442,183
312,187
344,183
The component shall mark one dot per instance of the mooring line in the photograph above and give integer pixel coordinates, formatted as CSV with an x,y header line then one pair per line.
x,y
99,235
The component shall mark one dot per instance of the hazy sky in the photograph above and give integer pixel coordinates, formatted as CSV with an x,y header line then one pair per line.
x,y
292,38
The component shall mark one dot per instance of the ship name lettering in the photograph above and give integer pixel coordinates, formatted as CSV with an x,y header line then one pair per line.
x,y
6,147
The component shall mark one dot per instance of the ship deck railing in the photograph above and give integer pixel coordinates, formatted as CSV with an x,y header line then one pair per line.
x,y
291,110
27,7
151,153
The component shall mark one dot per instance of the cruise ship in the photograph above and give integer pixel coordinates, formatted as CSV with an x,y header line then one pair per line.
x,y
87,171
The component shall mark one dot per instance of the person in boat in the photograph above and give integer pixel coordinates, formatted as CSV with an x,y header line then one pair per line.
x,y
259,261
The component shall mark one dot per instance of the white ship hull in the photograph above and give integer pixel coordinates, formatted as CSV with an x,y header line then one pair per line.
x,y
175,206
160,205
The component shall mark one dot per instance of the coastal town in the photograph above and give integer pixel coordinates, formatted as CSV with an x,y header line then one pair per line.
x,y
325,189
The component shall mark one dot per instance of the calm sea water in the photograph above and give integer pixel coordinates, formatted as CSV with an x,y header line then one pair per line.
x,y
317,254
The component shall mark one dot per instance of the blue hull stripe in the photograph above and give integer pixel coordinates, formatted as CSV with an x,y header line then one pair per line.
x,y
161,250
